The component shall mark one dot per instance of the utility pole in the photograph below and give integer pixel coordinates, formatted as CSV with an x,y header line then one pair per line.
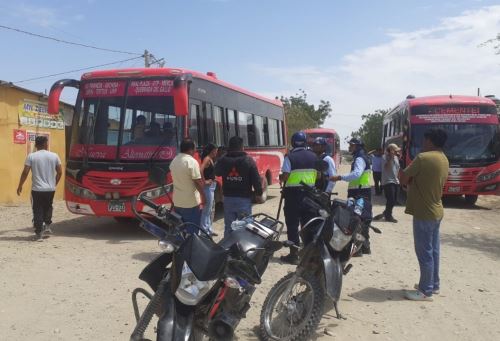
x,y
147,62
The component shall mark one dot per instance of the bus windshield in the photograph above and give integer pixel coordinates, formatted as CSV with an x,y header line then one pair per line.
x,y
139,126
466,144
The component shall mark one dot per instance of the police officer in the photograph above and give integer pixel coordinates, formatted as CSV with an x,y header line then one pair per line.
x,y
359,184
323,183
298,166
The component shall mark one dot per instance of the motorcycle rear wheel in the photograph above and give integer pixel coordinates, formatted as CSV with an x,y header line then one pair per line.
x,y
300,312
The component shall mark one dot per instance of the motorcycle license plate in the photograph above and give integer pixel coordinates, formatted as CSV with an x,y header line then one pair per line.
x,y
116,206
454,189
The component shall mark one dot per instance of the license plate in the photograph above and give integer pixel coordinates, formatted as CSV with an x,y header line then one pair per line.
x,y
454,189
116,206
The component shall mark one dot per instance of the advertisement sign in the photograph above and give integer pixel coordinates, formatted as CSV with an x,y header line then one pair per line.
x,y
19,136
35,114
453,114
103,89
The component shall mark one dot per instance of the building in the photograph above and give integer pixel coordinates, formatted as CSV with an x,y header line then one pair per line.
x,y
23,116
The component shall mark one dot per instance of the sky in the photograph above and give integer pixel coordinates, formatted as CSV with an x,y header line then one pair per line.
x,y
359,55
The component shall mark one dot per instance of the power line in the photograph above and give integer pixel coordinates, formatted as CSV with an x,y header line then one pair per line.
x,y
82,69
68,42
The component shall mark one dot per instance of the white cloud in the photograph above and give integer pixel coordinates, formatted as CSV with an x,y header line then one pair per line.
x,y
40,16
444,59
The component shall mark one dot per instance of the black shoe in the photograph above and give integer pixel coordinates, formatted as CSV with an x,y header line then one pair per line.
x,y
38,237
378,216
391,220
290,259
366,250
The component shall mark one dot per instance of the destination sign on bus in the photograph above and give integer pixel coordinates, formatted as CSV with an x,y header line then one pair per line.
x,y
103,89
130,153
152,87
453,114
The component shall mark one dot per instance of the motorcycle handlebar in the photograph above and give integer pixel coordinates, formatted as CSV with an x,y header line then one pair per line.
x,y
149,203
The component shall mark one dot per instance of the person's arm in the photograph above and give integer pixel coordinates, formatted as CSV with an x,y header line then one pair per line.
x,y
58,170
285,170
410,171
331,172
255,181
359,167
194,169
24,176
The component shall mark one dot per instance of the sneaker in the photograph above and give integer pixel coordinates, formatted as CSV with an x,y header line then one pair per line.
x,y
366,250
391,220
290,259
38,237
416,295
434,292
378,217
47,229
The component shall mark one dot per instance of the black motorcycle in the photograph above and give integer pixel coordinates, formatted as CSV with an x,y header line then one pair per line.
x,y
202,289
294,306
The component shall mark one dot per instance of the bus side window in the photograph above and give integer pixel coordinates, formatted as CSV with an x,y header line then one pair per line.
x,y
218,126
272,126
252,136
242,127
193,120
206,124
231,124
266,131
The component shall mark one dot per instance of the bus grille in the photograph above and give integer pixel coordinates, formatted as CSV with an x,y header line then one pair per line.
x,y
463,176
103,184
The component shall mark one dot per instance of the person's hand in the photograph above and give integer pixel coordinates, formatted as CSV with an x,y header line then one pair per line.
x,y
209,182
259,199
335,178
19,190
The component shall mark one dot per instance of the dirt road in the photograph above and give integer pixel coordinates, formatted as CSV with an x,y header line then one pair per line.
x,y
76,285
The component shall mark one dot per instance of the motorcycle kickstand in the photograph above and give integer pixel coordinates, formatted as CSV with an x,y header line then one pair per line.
x,y
339,316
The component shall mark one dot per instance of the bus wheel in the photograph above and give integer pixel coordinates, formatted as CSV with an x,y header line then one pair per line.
x,y
471,199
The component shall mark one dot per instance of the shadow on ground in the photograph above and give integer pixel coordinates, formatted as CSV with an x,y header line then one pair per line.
x,y
378,295
478,242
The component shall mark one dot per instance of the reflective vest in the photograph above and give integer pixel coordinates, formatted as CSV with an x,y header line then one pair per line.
x,y
363,182
302,163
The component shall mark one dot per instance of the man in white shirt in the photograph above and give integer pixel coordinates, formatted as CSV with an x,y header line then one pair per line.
x,y
188,185
46,172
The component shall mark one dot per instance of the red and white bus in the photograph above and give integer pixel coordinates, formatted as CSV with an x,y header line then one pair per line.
x,y
128,123
332,140
473,145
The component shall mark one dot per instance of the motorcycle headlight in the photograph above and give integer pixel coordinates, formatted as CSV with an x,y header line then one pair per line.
x,y
166,246
157,192
191,290
80,191
488,176
339,240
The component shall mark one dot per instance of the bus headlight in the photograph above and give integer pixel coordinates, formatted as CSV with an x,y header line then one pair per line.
x,y
80,191
488,176
191,290
157,192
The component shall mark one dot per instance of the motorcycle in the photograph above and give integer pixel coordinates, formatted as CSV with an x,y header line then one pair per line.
x,y
293,308
202,289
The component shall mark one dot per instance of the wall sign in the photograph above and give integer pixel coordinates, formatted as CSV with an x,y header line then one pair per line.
x,y
35,114
19,136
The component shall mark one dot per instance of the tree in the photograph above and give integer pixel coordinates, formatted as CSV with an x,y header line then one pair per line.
x,y
371,130
495,41
301,115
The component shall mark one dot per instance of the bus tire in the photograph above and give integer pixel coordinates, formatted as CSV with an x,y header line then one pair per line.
x,y
470,199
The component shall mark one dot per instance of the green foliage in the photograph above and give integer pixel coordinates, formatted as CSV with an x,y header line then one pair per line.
x,y
495,42
371,130
301,115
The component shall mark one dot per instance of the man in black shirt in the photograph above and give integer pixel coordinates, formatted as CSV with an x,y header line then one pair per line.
x,y
239,174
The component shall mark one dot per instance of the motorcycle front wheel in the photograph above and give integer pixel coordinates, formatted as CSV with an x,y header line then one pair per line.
x,y
292,311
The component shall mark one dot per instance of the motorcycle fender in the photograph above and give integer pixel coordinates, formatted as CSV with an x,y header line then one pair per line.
x,y
154,272
333,274
176,323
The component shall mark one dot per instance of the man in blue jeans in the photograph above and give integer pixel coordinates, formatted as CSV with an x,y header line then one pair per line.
x,y
425,178
239,175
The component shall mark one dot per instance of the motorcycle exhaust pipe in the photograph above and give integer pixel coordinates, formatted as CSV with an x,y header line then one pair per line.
x,y
222,327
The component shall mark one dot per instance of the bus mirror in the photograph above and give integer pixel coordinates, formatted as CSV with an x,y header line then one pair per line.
x,y
180,92
158,175
55,93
